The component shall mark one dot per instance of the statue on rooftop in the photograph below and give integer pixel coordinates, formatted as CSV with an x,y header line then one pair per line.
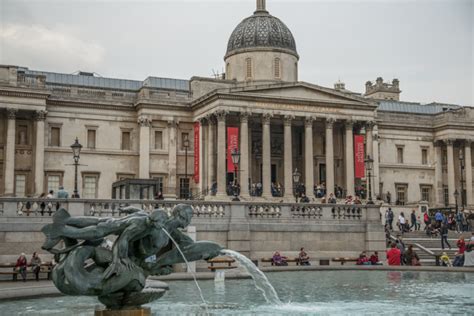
x,y
87,266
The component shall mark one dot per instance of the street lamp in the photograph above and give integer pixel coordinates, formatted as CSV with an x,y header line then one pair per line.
x,y
296,182
186,183
235,160
456,195
461,162
76,152
369,162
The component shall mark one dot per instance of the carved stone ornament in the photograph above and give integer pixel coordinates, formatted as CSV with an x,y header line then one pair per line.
x,y
349,124
220,115
266,118
144,121
308,121
287,119
450,141
173,123
330,122
211,119
369,125
40,115
244,116
11,113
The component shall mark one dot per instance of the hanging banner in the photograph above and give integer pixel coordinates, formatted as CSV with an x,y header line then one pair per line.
x,y
196,152
359,155
232,143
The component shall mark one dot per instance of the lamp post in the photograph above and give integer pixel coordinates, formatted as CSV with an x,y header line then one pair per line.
x,y
461,163
76,152
186,183
456,195
235,160
296,182
369,162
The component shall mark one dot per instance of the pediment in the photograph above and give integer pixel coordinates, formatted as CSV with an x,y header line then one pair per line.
x,y
302,91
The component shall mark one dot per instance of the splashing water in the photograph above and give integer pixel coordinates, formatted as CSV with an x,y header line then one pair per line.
x,y
259,278
189,269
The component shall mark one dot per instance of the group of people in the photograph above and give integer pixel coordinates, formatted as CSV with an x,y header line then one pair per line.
x,y
45,207
365,260
399,254
280,260
22,265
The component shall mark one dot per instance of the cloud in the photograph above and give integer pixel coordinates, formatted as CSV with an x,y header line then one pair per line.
x,y
47,48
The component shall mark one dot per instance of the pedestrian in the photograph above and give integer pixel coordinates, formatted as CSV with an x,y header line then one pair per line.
x,y
426,219
50,194
411,257
444,236
35,265
393,255
402,221
390,218
459,221
62,194
439,218
21,265
389,197
413,220
303,258
401,246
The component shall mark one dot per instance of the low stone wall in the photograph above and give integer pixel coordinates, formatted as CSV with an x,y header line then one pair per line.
x,y
254,229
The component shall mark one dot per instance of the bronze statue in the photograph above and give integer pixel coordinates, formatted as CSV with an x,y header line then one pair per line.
x,y
86,266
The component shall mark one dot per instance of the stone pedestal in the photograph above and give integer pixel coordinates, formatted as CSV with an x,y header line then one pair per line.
x,y
139,311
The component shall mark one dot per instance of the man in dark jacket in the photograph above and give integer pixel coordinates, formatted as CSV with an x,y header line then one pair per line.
x,y
413,219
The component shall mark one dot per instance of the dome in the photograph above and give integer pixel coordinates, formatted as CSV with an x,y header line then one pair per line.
x,y
261,31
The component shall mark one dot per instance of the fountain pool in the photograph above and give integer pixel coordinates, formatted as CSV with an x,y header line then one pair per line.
x,y
302,292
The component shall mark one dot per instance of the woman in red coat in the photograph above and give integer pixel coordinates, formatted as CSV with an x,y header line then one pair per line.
x,y
21,265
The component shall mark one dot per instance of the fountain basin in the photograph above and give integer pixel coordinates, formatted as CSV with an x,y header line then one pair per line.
x,y
303,292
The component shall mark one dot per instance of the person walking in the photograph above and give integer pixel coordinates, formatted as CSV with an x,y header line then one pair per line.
x,y
413,220
401,246
389,197
426,220
439,218
36,265
390,218
402,221
21,265
444,236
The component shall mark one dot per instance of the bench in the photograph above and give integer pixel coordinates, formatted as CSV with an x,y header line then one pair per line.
x,y
344,260
46,267
288,260
222,263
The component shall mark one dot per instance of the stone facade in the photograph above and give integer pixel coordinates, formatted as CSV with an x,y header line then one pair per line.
x,y
137,129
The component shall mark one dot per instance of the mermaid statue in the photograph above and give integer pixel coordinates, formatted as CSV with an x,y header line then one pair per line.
x,y
87,265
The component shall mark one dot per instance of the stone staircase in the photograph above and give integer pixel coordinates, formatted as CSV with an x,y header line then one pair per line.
x,y
428,248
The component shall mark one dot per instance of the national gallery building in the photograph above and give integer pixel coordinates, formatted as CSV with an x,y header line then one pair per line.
x,y
181,133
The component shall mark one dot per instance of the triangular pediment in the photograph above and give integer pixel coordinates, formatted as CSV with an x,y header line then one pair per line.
x,y
302,91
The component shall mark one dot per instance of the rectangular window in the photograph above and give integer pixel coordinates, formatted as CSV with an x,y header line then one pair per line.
x,y
185,140
55,137
248,63
125,140
446,195
425,193
53,182
91,138
89,187
159,185
400,154
277,67
158,140
424,157
20,185
184,192
401,194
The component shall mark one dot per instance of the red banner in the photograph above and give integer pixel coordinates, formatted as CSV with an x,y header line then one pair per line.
x,y
196,152
359,155
232,143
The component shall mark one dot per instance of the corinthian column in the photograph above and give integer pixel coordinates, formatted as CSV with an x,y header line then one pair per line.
x,y
369,127
221,154
329,157
244,154
211,156
172,147
349,153
10,153
451,182
40,116
438,174
308,156
266,156
144,161
468,168
288,157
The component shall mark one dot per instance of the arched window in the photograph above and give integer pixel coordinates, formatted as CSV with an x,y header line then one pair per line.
x,y
248,65
277,69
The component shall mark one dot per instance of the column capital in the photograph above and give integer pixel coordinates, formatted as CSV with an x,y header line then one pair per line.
x,y
287,120
266,117
449,141
202,121
244,116
211,119
220,115
349,124
369,125
468,142
40,115
330,122
11,113
172,123
144,121
308,121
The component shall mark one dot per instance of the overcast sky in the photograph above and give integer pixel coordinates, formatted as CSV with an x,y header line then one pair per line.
x,y
427,45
